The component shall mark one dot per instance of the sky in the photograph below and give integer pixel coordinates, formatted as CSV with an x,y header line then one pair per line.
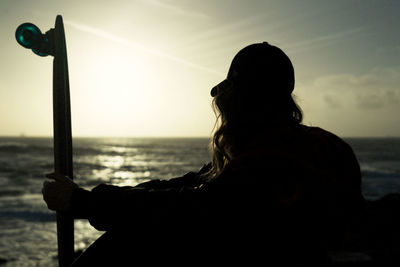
x,y
146,67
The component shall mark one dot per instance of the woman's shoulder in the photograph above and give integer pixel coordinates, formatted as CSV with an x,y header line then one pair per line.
x,y
318,132
321,137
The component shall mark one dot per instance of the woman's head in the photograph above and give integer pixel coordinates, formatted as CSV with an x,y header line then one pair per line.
x,y
254,99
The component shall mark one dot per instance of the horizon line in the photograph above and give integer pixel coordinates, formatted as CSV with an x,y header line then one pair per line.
x,y
160,136
106,136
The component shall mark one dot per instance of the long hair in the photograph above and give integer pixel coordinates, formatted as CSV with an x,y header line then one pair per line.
x,y
240,117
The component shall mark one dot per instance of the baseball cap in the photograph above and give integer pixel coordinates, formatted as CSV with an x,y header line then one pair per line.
x,y
259,66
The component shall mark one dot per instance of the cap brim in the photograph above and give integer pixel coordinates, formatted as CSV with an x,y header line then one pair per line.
x,y
216,89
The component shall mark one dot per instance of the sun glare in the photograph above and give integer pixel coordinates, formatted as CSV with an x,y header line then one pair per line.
x,y
118,87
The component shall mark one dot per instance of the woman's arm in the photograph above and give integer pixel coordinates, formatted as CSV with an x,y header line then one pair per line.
x,y
108,206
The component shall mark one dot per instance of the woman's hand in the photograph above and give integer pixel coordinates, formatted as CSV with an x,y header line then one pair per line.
x,y
57,194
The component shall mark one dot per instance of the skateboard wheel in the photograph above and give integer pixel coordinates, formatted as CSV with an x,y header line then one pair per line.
x,y
29,36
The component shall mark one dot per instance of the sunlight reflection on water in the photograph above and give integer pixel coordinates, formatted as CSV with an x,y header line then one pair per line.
x,y
28,229
110,161
126,178
85,234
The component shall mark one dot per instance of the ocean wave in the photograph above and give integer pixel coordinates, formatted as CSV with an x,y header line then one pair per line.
x,y
6,193
31,216
6,167
85,150
380,169
81,165
18,147
379,174
11,147
6,144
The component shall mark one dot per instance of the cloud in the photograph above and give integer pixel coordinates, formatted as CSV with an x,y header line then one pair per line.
x,y
376,89
365,104
332,101
370,101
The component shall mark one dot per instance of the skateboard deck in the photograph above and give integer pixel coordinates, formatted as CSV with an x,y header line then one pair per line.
x,y
53,43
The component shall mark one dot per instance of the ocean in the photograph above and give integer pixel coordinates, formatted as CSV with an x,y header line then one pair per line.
x,y
28,229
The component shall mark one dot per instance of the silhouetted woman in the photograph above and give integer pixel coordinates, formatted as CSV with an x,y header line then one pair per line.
x,y
276,191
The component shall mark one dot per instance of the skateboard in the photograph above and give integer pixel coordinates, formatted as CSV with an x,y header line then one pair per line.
x,y
53,43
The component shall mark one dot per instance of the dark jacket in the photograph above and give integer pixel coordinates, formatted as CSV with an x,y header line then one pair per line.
x,y
287,199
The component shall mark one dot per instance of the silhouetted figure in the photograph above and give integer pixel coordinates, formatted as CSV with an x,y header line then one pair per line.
x,y
276,191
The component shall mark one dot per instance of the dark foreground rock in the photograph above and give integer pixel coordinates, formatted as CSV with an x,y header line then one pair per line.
x,y
373,238
3,261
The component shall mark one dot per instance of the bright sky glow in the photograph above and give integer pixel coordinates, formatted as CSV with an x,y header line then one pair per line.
x,y
145,67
